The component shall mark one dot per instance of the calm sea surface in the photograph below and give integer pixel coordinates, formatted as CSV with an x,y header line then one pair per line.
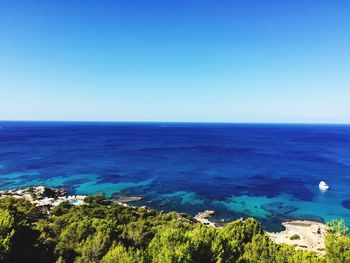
x,y
270,172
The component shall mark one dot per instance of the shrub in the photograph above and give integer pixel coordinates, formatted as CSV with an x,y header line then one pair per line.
x,y
295,237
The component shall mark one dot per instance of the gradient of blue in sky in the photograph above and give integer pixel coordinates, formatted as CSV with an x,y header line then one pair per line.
x,y
232,61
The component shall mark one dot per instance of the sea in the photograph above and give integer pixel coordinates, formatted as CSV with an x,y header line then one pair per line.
x,y
267,171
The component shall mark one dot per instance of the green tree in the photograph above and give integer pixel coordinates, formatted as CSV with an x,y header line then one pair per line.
x,y
95,247
119,254
6,234
95,199
337,242
235,235
201,238
170,245
261,249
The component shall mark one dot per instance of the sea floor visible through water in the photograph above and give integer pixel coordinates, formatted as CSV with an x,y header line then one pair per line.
x,y
267,171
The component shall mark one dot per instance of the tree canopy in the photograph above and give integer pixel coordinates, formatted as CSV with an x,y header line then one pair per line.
x,y
108,232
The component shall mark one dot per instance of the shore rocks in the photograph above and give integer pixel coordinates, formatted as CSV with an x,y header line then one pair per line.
x,y
202,217
127,199
46,192
207,213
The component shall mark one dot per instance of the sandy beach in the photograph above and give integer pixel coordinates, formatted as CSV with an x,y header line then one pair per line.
x,y
306,235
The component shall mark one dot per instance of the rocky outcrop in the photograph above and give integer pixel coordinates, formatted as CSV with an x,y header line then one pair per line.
x,y
127,199
202,217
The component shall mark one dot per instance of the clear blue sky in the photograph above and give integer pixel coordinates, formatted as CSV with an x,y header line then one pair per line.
x,y
239,61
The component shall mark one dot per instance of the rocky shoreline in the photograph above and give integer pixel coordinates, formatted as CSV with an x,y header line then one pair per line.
x,y
202,217
306,235
49,197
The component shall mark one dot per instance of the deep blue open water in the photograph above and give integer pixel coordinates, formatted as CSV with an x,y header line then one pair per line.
x,y
267,171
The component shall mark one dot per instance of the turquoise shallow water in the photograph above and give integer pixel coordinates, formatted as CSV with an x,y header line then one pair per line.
x,y
267,171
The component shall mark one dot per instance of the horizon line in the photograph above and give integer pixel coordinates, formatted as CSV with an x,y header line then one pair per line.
x,y
183,122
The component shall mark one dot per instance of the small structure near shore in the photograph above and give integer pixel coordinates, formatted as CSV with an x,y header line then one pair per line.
x,y
43,196
72,199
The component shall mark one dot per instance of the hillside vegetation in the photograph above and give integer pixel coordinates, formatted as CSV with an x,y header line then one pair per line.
x,y
107,232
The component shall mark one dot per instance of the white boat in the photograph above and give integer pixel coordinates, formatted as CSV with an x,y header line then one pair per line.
x,y
323,186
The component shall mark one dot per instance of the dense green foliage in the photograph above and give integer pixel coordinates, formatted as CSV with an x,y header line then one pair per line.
x,y
6,234
338,242
106,232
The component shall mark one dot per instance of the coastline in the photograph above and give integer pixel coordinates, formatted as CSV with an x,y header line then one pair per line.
x,y
301,234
